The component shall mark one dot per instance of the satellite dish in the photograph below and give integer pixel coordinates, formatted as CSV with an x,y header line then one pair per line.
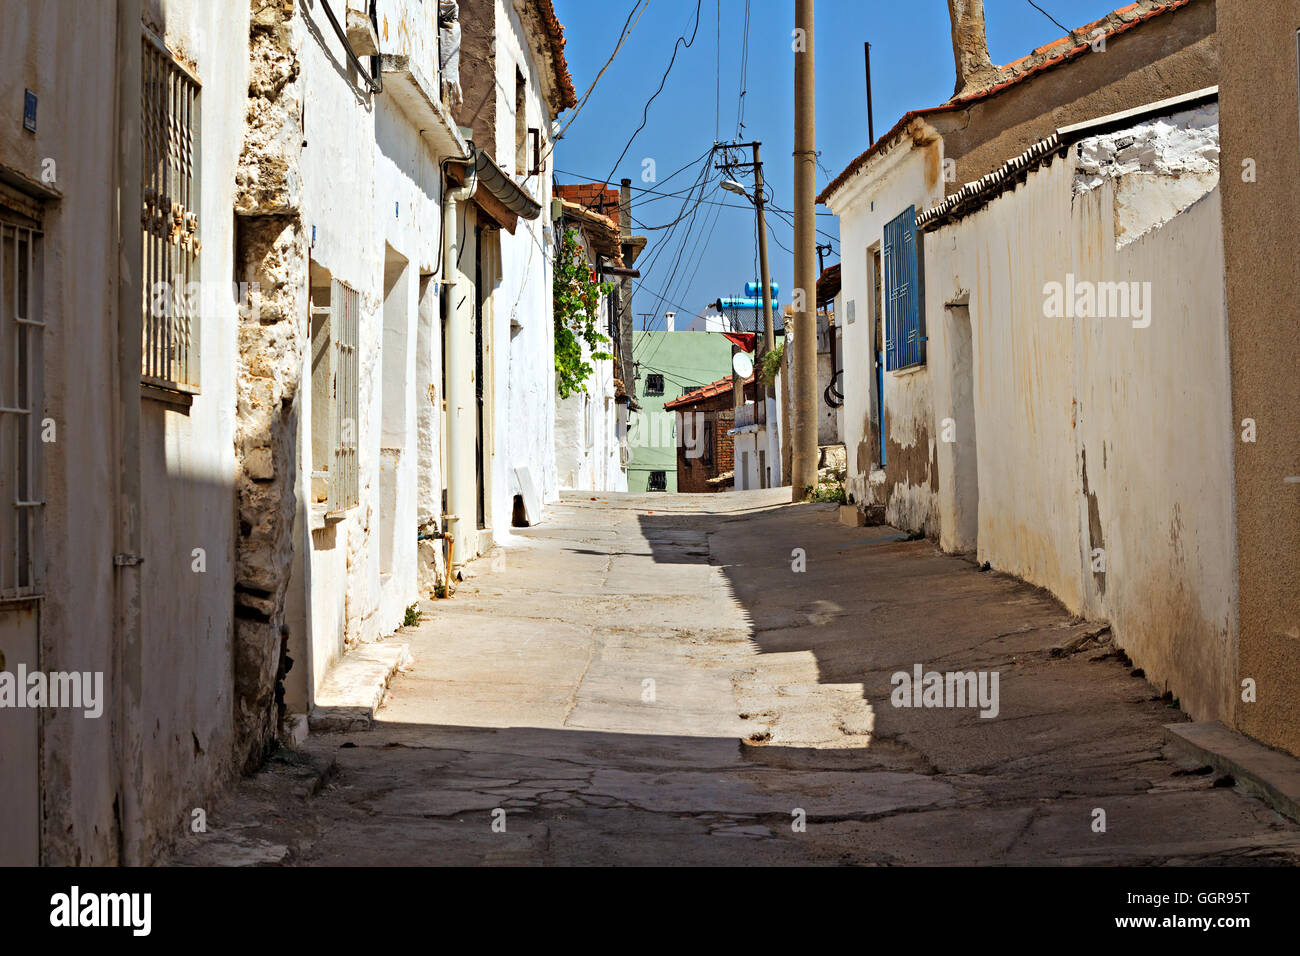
x,y
742,364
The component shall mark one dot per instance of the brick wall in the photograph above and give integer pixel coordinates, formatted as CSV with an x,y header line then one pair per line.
x,y
693,474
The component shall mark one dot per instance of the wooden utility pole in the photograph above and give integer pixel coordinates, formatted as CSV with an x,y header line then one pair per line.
x,y
804,438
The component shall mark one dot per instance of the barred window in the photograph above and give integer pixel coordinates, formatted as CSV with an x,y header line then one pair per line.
x,y
21,405
654,384
170,217
658,481
335,320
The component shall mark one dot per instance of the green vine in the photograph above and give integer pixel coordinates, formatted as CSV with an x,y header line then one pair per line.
x,y
577,309
772,362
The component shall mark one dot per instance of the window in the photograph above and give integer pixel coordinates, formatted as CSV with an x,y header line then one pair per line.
x,y
904,293
654,384
170,152
521,125
21,405
658,481
708,441
335,393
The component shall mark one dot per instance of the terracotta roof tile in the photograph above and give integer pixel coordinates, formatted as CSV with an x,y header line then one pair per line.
x,y
711,390
568,96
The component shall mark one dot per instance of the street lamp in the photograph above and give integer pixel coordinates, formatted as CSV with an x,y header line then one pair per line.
x,y
731,186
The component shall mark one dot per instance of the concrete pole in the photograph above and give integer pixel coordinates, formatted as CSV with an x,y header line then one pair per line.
x,y
765,276
804,438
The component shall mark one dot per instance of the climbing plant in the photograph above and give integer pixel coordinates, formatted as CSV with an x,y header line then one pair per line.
x,y
577,309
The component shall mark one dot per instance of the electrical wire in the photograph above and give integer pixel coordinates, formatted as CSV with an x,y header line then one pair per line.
x,y
1049,16
645,112
628,27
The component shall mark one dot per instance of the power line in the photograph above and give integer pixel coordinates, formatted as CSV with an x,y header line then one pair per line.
x,y
744,73
645,113
628,27
1048,15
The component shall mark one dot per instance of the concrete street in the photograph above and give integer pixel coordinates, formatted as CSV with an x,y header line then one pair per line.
x,y
645,680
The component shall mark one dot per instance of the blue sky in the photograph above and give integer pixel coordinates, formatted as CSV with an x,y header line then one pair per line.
x,y
713,254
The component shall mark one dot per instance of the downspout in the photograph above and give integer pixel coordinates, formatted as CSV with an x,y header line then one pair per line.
x,y
127,559
459,360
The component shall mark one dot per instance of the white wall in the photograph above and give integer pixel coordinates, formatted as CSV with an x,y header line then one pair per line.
x,y
372,197
901,176
523,345
1091,433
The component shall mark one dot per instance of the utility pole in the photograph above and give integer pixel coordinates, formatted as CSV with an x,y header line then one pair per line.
x,y
804,439
765,275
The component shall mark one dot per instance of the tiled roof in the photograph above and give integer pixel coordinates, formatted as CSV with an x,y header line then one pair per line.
x,y
713,389
1039,61
555,36
828,284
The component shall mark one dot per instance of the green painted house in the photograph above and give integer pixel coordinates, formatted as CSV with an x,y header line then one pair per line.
x,y
668,364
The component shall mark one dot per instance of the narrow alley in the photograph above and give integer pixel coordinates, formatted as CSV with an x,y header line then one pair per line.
x,y
706,679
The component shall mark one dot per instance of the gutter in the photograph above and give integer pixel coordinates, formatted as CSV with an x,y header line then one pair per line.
x,y
504,189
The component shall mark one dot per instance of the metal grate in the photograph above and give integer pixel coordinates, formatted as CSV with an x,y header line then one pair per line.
x,y
170,217
345,320
21,401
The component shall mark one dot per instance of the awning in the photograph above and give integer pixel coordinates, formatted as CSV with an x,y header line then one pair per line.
x,y
620,271
746,340
500,196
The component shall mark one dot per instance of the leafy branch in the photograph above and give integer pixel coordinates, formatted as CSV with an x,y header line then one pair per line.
x,y
577,307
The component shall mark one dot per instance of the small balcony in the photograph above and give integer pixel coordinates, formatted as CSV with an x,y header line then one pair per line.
x,y
754,413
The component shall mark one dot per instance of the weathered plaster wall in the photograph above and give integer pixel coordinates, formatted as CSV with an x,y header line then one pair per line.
x,y
188,470
76,131
1260,213
522,305
586,439
372,211
1091,433
908,174
271,256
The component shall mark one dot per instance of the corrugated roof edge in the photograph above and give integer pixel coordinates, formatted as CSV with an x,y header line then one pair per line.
x,y
976,195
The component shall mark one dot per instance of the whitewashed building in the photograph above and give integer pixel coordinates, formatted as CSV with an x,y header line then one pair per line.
x,y
237,481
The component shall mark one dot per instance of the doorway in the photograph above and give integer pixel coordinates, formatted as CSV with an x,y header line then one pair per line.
x,y
961,371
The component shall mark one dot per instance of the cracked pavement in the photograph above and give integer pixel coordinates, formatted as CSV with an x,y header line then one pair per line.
x,y
645,680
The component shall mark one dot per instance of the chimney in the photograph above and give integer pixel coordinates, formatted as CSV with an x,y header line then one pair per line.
x,y
970,47
625,209
670,321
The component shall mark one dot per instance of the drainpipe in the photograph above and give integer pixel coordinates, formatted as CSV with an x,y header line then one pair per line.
x,y
127,558
458,354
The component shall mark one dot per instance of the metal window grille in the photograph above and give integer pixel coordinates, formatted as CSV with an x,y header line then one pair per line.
x,y
904,309
345,320
654,384
21,402
170,217
658,481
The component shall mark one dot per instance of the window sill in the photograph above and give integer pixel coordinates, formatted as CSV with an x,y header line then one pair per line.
x,y
321,518
909,370
181,401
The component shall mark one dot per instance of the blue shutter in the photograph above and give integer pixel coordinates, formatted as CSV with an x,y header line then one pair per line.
x,y
904,336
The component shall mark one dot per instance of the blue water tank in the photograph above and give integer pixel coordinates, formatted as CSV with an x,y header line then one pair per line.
x,y
755,290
